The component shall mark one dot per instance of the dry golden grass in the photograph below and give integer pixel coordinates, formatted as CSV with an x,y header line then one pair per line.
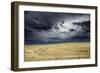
x,y
59,51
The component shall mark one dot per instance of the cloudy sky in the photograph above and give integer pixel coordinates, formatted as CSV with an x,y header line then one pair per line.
x,y
53,27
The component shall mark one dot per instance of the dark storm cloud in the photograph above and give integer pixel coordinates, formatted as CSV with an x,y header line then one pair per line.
x,y
51,27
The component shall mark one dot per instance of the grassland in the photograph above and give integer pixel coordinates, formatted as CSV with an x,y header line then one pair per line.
x,y
58,51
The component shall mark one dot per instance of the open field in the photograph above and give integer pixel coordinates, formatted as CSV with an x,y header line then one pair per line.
x,y
58,51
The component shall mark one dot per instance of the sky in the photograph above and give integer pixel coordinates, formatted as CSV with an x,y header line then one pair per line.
x,y
54,27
